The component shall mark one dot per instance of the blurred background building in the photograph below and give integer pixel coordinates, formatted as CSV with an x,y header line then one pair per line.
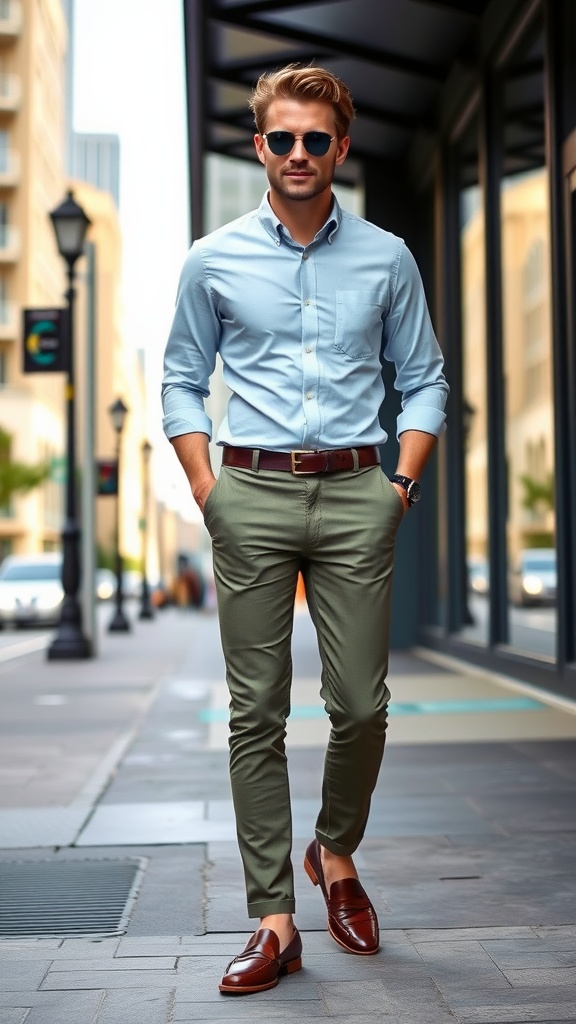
x,y
41,156
33,41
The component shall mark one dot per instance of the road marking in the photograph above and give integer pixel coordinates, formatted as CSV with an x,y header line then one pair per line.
x,y
427,707
17,650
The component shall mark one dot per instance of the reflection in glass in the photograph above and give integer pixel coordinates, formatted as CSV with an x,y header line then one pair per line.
x,y
529,438
474,413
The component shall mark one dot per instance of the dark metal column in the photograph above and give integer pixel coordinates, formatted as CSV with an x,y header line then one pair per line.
x,y
490,172
560,104
195,85
449,302
391,204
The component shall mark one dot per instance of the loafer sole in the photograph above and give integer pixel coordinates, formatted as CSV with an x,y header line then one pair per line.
x,y
240,990
353,949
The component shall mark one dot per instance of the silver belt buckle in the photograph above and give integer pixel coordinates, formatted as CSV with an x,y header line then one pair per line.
x,y
295,461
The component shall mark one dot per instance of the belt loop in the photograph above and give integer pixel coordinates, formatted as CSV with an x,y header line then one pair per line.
x,y
355,460
255,459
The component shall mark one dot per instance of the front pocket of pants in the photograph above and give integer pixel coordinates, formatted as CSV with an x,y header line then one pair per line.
x,y
393,500
210,501
358,324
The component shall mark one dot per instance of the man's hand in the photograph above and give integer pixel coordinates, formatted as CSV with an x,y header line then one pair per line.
x,y
402,492
201,490
192,451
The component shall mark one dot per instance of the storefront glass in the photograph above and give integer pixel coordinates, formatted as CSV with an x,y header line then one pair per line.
x,y
529,439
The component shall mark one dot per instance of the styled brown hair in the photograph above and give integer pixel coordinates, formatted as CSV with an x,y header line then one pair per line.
x,y
300,82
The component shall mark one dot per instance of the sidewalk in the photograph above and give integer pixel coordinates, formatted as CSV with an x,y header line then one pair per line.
x,y
469,855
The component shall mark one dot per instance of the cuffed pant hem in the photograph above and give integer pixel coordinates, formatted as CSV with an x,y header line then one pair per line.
x,y
335,848
271,907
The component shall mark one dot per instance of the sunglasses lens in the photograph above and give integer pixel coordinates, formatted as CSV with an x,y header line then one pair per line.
x,y
317,143
280,143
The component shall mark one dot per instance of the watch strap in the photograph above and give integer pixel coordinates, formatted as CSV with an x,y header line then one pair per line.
x,y
412,487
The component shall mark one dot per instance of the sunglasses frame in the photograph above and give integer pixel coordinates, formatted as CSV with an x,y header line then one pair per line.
x,y
296,138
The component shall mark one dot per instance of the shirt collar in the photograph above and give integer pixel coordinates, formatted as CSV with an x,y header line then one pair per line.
x,y
274,227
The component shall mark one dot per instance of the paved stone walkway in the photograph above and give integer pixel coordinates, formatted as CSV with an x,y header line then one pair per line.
x,y
469,855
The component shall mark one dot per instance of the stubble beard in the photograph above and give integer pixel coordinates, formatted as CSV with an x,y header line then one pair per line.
x,y
314,187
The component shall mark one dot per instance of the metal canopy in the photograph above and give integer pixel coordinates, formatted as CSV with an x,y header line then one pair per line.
x,y
395,55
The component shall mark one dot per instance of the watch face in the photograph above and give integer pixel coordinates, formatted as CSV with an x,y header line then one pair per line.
x,y
413,492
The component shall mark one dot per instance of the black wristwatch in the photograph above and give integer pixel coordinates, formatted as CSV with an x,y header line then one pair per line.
x,y
412,487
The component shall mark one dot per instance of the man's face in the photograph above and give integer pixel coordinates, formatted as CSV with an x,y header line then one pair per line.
x,y
298,176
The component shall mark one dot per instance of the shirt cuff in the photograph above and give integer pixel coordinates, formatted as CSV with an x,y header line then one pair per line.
x,y
425,418
195,422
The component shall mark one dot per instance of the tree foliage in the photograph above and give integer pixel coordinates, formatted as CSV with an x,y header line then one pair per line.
x,y
17,477
538,494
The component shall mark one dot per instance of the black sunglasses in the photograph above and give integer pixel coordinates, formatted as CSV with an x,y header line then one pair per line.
x,y
315,143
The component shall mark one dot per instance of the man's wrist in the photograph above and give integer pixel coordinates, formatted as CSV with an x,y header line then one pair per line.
x,y
201,489
407,484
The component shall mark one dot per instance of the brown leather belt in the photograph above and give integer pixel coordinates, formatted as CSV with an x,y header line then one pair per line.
x,y
302,463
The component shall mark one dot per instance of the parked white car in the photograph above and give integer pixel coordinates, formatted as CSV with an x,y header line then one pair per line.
x,y
533,579
31,589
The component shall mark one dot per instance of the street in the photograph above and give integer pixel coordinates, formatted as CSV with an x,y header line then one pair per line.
x,y
120,764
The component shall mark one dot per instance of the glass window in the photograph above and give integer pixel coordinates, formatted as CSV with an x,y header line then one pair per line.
x,y
474,411
4,315
3,224
529,437
4,148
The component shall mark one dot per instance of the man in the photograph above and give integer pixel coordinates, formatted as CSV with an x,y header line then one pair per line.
x,y
302,301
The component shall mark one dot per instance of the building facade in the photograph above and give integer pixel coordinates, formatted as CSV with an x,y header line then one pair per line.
x,y
95,158
33,42
465,145
34,116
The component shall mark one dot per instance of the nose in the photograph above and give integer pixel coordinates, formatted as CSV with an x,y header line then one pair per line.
x,y
298,151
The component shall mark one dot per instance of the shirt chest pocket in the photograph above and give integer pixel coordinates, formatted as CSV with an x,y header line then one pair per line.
x,y
358,324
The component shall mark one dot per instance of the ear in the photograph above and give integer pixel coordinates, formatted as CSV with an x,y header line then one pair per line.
x,y
259,144
342,151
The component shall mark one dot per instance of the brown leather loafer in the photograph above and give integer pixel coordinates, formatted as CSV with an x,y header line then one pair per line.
x,y
261,964
352,920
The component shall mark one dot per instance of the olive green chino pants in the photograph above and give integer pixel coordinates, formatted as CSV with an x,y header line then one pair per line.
x,y
339,530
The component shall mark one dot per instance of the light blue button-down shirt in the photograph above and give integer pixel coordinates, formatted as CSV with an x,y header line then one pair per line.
x,y
301,331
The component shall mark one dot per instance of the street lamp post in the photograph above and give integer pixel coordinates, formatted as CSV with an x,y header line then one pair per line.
x,y
119,622
145,606
70,226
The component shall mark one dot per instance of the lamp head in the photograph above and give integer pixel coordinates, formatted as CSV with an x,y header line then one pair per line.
x,y
70,226
118,412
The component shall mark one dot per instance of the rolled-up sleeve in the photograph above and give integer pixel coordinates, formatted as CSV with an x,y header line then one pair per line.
x,y
410,343
190,355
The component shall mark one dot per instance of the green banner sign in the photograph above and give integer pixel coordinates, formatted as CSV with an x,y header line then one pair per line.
x,y
45,340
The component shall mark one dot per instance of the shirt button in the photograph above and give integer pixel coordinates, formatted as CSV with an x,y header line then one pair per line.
x,y
309,395
308,349
305,256
308,302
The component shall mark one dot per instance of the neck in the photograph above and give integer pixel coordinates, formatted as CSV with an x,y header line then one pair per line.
x,y
302,218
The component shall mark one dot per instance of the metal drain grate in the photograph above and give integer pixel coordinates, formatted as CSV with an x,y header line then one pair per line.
x,y
45,898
